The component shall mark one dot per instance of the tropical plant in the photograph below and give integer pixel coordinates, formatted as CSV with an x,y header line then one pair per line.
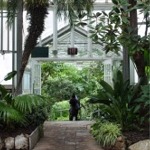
x,y
13,110
73,9
60,110
117,29
144,101
59,80
117,102
105,133
59,89
37,11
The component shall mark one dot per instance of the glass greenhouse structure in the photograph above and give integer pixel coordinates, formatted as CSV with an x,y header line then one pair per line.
x,y
57,37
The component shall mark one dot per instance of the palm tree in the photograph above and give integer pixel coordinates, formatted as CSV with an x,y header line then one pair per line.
x,y
37,11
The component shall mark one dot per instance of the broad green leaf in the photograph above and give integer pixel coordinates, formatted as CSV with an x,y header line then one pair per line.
x,y
9,114
10,75
107,87
26,102
115,2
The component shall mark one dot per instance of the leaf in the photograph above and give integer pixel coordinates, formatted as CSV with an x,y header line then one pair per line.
x,y
106,87
3,91
9,114
26,102
116,9
125,20
105,14
115,2
10,75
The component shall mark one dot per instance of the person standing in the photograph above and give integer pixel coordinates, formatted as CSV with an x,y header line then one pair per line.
x,y
74,107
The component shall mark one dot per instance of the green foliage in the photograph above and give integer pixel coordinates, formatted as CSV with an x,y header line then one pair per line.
x,y
60,110
73,9
13,110
116,29
38,115
25,103
11,7
144,103
60,80
61,118
117,102
3,5
9,115
145,95
10,75
113,29
59,88
86,110
105,133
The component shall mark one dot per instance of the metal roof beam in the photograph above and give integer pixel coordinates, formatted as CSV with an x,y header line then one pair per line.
x,y
77,58
97,6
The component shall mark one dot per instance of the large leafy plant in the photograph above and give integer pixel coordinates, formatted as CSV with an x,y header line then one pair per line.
x,y
117,102
13,109
144,100
119,28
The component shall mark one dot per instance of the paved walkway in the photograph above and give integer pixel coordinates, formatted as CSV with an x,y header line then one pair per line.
x,y
67,135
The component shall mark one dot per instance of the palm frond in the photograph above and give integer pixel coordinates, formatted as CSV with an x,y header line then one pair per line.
x,y
26,102
5,95
3,4
11,8
8,114
73,9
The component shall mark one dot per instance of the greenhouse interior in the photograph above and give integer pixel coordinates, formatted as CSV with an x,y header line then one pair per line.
x,y
98,49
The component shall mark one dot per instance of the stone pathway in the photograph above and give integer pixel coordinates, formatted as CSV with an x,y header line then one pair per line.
x,y
67,135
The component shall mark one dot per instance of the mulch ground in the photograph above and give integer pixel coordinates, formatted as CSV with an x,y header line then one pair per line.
x,y
14,132
135,136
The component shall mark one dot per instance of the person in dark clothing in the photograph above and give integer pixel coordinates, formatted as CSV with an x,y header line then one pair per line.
x,y
75,106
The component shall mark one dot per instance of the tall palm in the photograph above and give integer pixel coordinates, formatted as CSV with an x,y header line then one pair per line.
x,y
37,11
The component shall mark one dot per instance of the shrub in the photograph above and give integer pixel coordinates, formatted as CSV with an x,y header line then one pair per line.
x,y
59,110
21,110
106,133
117,102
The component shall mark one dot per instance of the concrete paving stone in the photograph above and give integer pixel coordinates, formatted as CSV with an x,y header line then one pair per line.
x,y
67,135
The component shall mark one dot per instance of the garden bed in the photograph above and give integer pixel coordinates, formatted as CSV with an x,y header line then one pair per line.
x,y
136,136
20,138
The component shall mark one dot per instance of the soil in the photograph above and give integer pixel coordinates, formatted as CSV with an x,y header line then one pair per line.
x,y
14,132
135,136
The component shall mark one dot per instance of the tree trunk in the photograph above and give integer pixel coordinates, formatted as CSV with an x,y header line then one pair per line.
x,y
36,26
138,57
19,42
